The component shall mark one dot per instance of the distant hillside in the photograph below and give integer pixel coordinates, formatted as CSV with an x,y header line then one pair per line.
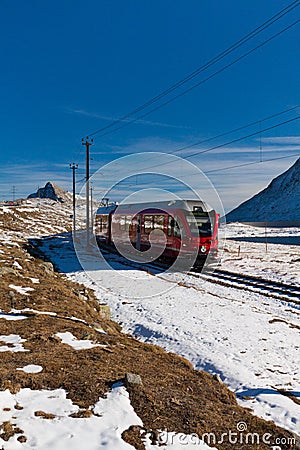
x,y
280,201
53,192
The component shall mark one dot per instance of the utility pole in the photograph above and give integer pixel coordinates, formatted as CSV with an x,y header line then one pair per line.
x,y
74,167
87,143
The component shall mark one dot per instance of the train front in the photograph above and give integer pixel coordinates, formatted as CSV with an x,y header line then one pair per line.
x,y
202,225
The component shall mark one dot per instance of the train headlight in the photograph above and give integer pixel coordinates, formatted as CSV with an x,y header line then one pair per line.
x,y
202,249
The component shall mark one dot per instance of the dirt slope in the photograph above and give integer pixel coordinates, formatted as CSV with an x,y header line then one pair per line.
x,y
173,395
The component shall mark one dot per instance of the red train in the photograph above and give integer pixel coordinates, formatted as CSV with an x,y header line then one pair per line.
x,y
187,226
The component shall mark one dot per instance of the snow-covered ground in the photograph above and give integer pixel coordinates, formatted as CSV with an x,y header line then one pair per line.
x,y
44,419
28,410
273,253
251,340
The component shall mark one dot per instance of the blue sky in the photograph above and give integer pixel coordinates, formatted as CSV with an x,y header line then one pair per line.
x,y
70,67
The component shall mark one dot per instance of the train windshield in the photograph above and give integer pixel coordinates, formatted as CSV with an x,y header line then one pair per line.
x,y
199,223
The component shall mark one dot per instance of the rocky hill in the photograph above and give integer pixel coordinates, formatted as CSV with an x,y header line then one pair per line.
x,y
279,201
53,192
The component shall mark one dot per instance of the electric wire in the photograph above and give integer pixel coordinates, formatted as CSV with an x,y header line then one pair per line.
x,y
251,163
230,142
222,69
244,137
260,121
204,141
196,72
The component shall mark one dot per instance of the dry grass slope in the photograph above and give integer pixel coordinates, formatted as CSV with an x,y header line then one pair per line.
x,y
173,395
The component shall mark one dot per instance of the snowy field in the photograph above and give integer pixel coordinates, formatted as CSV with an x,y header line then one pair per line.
x,y
250,340
273,253
44,419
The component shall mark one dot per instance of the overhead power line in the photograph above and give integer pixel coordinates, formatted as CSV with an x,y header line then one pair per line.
x,y
221,169
236,140
251,163
202,68
234,130
226,133
233,141
181,94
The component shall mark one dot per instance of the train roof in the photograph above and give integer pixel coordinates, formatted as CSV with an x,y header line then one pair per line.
x,y
106,209
187,205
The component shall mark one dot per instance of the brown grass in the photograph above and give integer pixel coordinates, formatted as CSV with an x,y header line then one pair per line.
x,y
172,396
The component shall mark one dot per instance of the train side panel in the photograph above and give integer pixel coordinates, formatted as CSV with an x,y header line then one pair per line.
x,y
185,231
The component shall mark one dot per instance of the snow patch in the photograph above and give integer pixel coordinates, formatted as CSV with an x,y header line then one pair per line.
x,y
34,280
21,290
15,342
13,315
31,368
115,414
69,339
17,265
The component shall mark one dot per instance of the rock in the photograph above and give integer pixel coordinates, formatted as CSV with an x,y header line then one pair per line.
x,y
104,311
217,377
18,407
53,192
48,266
132,378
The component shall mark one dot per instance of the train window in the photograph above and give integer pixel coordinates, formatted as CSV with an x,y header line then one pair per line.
x,y
122,223
125,222
101,223
176,231
148,224
173,227
171,223
199,223
128,223
104,221
158,222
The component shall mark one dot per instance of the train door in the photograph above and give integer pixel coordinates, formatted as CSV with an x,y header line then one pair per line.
x,y
138,232
173,236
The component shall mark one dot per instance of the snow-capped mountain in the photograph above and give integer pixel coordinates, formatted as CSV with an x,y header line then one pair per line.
x,y
53,192
280,201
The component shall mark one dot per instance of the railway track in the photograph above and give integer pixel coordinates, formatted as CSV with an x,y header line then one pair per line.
x,y
269,288
259,285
